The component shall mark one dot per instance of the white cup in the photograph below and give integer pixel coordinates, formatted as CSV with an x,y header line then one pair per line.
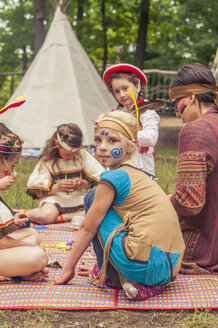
x,y
77,219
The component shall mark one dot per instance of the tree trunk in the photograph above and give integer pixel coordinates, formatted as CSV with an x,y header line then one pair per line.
x,y
104,35
38,24
80,4
24,59
142,33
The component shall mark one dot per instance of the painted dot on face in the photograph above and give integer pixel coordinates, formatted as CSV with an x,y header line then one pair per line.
x,y
117,152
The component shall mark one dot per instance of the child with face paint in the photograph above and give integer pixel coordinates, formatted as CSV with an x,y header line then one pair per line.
x,y
120,78
127,219
20,251
62,173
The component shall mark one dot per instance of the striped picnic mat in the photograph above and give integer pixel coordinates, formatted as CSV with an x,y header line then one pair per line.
x,y
187,292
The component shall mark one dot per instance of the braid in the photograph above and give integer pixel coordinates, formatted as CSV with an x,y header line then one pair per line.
x,y
141,94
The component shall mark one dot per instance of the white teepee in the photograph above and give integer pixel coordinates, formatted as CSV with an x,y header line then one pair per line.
x,y
60,86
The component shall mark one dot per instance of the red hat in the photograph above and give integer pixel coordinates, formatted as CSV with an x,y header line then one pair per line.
x,y
123,68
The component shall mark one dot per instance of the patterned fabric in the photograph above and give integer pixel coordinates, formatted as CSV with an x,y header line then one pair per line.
x,y
191,180
186,292
195,198
44,176
7,224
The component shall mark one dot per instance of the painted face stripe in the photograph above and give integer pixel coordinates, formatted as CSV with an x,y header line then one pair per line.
x,y
182,109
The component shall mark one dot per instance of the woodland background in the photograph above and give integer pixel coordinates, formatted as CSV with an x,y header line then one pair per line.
x,y
152,34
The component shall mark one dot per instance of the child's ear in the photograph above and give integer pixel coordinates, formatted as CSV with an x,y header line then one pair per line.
x,y
132,147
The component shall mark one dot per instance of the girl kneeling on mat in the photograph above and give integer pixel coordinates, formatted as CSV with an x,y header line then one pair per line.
x,y
130,220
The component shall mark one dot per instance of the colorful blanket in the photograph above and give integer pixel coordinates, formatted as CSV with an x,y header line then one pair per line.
x,y
187,292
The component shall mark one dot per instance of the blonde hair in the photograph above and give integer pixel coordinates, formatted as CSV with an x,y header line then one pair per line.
x,y
126,118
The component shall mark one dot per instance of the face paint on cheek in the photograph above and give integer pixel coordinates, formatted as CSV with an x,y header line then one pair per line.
x,y
117,152
6,172
95,148
182,109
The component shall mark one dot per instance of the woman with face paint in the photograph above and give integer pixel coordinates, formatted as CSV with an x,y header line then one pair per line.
x,y
120,78
128,220
194,93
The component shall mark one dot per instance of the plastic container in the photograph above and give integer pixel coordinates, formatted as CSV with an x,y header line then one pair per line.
x,y
77,219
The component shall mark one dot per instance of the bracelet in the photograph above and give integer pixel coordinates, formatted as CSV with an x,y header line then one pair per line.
x,y
62,219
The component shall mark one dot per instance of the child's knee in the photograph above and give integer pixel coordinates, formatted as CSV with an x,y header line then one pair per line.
x,y
88,199
40,258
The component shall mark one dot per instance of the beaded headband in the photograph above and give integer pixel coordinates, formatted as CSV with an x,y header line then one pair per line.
x,y
10,149
117,125
192,89
64,145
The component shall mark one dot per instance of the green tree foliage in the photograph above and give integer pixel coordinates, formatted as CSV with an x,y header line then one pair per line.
x,y
179,31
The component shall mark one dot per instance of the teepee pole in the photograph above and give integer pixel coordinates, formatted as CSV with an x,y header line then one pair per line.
x,y
65,5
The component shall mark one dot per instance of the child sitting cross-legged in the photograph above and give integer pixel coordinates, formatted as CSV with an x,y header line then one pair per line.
x,y
20,251
62,173
130,220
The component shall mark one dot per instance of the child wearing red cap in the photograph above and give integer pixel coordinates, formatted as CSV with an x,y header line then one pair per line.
x,y
120,78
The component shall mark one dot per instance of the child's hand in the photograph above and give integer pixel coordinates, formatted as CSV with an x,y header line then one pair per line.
x,y
81,184
20,218
63,185
7,181
77,183
64,277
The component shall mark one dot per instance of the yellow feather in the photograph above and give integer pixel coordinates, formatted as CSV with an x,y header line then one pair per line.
x,y
136,109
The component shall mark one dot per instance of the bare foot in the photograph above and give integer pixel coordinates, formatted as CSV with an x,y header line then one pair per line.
x,y
129,290
84,270
38,276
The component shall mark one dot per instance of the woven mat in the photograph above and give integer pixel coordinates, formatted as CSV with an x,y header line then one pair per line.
x,y
187,292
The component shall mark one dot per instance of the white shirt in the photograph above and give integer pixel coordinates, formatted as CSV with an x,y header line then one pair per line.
x,y
147,139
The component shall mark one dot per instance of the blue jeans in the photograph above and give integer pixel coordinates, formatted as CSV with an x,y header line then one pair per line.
x,y
88,200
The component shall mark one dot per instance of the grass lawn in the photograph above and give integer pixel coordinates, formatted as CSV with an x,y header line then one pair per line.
x,y
16,197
